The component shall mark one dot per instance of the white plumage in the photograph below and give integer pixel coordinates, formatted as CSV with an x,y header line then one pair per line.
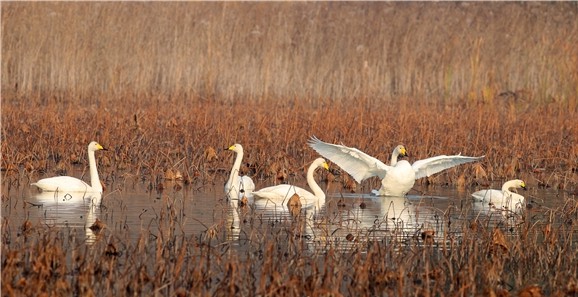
x,y
281,193
237,186
502,198
71,184
396,179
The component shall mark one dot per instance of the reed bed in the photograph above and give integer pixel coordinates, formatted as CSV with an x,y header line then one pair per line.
x,y
166,86
375,50
536,143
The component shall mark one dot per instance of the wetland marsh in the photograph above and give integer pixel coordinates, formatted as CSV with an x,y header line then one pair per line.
x,y
166,87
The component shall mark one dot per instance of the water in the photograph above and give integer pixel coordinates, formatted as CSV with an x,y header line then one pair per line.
x,y
132,211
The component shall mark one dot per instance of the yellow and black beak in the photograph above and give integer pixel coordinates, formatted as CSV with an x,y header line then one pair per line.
x,y
404,152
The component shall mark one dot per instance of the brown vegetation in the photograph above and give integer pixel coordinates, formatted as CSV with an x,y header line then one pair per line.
x,y
274,257
538,144
165,86
307,50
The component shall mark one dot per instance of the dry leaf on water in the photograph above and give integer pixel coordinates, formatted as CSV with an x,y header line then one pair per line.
x,y
243,201
499,240
531,291
294,204
97,226
428,236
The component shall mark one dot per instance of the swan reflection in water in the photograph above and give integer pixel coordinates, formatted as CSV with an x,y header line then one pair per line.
x,y
258,213
288,203
366,217
69,209
497,213
339,219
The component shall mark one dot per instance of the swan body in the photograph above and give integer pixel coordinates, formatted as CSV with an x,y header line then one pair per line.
x,y
237,186
502,198
67,198
398,177
72,184
281,193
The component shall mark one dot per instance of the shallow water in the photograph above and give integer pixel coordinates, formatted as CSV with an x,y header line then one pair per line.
x,y
132,211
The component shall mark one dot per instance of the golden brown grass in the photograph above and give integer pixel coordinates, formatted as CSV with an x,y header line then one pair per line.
x,y
536,143
471,259
256,51
161,83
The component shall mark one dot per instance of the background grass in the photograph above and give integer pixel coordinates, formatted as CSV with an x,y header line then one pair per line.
x,y
310,51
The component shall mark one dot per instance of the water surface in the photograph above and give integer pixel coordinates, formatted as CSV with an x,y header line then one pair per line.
x,y
132,211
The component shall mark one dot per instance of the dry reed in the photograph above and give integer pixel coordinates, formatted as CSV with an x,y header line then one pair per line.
x,y
256,51
542,152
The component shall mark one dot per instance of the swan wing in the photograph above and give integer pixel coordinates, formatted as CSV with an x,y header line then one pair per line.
x,y
62,183
357,163
487,196
282,193
429,166
246,184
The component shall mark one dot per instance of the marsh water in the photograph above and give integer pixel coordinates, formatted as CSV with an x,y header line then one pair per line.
x,y
135,210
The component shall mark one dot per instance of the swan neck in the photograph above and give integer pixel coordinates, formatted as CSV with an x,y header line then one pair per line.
x,y
317,191
233,182
94,179
506,189
394,156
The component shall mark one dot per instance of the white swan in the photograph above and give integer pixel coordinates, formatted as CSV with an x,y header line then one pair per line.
x,y
503,198
281,193
245,183
396,179
71,184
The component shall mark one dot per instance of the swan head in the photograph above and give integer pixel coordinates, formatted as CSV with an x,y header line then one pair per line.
x,y
235,147
321,163
516,183
401,151
95,146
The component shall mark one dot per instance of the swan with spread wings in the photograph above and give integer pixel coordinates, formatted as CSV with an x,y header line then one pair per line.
x,y
398,177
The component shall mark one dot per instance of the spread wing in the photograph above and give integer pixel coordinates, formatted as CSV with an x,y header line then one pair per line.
x,y
357,163
429,166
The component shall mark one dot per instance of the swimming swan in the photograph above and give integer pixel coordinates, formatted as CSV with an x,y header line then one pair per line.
x,y
282,193
71,184
396,179
245,183
503,198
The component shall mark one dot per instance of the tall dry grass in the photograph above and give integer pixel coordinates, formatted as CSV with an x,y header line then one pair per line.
x,y
312,51
163,82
